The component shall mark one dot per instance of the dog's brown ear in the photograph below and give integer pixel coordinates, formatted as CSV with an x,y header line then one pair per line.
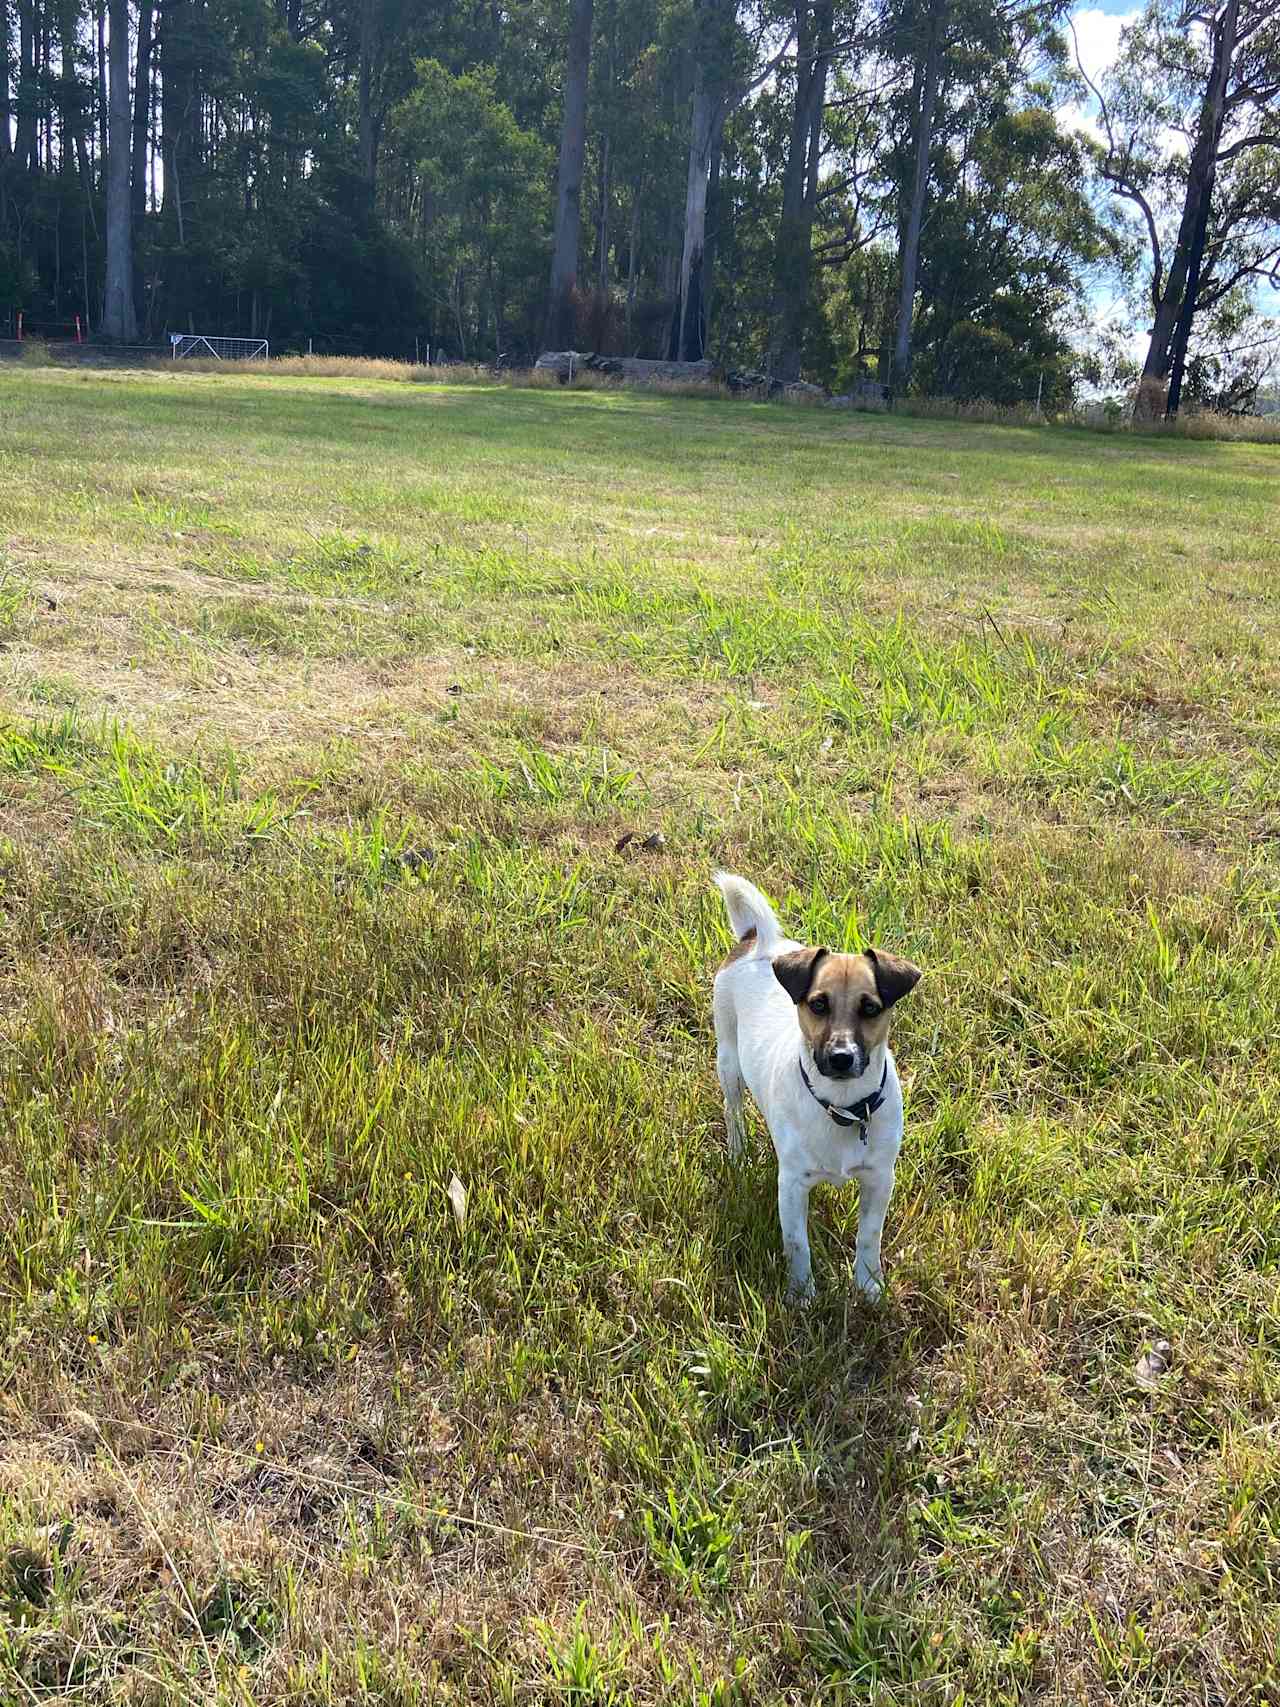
x,y
895,978
795,969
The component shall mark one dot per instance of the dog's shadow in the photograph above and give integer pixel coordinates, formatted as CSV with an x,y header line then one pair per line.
x,y
826,1405
747,1244
840,1383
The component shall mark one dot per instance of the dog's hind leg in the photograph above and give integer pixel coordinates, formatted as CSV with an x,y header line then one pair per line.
x,y
731,1084
730,1072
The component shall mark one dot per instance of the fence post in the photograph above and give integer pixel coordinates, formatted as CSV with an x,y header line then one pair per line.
x,y
19,325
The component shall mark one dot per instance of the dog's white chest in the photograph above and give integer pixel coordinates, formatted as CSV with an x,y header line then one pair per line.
x,y
836,1159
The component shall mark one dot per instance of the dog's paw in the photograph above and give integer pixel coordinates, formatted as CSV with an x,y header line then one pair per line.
x,y
801,1291
870,1285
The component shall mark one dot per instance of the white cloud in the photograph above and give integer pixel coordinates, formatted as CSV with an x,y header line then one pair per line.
x,y
1097,35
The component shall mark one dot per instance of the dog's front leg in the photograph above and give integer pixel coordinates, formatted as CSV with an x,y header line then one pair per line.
x,y
873,1204
793,1216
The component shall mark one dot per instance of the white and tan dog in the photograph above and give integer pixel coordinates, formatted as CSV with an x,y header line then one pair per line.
x,y
806,1032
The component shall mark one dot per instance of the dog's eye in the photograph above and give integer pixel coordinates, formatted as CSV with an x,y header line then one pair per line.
x,y
870,1009
819,1005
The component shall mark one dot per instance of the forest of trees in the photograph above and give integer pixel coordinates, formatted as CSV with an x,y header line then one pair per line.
x,y
850,190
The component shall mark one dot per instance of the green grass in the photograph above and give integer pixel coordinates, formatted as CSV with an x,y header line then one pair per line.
x,y
326,705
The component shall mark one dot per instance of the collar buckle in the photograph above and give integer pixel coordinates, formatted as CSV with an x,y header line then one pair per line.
x,y
856,1114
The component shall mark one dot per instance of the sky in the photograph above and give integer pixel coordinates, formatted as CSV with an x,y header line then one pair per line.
x,y
1097,29
1098,34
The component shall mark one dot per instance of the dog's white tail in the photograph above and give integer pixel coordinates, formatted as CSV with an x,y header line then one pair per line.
x,y
748,910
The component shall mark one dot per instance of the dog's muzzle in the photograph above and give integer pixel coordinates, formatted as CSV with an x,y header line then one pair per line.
x,y
842,1061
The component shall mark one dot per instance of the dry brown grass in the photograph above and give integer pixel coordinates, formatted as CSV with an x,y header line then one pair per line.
x,y
413,373
1191,423
380,367
1237,429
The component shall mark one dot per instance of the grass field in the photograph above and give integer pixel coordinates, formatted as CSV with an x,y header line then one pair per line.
x,y
325,706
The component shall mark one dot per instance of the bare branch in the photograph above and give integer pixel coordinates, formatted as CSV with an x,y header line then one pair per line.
x,y
1251,26
1126,188
1121,177
1256,269
837,250
1251,95
735,97
1093,87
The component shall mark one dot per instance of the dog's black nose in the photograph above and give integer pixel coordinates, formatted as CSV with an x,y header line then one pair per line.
x,y
840,1060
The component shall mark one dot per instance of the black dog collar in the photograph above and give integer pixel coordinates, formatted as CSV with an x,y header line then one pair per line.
x,y
858,1113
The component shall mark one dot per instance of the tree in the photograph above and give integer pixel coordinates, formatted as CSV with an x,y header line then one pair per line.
x,y
689,336
635,171
6,61
119,321
712,42
142,110
924,103
76,96
814,31
381,175
573,144
959,53
475,189
1013,239
27,142
1208,216
725,62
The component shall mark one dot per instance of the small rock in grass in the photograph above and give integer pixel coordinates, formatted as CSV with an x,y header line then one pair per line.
x,y
654,842
1154,1363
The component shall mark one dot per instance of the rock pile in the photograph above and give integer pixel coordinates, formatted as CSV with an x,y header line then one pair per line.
x,y
565,363
743,382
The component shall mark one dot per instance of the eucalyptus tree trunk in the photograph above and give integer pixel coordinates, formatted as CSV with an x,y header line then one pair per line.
x,y
118,320
142,110
573,145
6,110
913,224
793,257
1171,330
27,145
366,132
689,340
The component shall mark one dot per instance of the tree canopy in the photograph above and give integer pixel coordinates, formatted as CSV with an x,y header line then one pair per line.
x,y
852,190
